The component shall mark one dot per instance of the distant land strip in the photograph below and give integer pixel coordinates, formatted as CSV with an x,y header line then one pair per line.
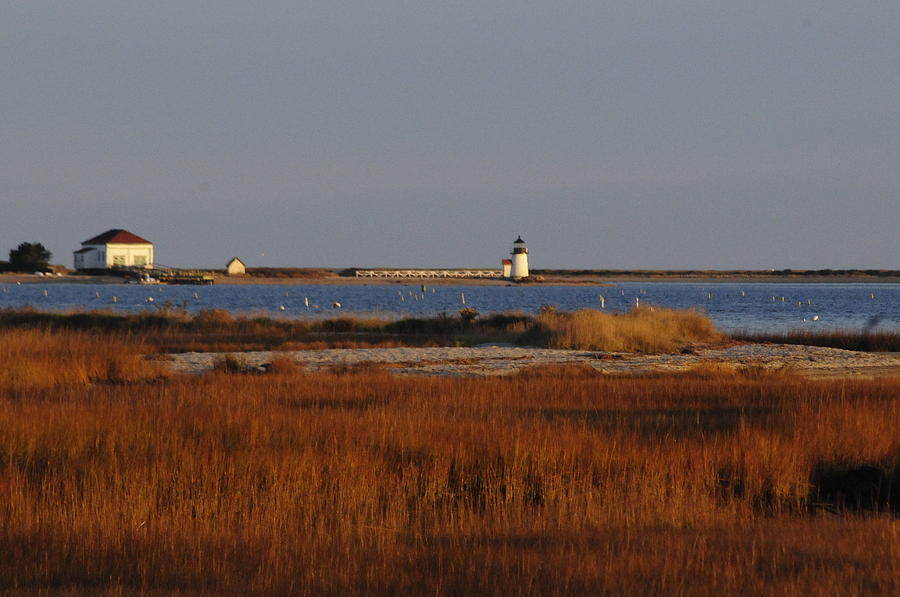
x,y
562,277
296,272
697,273
312,272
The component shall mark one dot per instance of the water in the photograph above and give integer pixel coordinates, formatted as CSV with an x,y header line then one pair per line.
x,y
732,306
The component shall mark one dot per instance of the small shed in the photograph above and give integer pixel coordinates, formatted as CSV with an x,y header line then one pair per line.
x,y
507,267
235,267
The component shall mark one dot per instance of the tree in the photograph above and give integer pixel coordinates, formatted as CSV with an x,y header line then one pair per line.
x,y
29,257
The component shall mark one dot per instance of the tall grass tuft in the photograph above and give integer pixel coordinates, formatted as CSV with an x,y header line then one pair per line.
x,y
33,359
231,363
652,329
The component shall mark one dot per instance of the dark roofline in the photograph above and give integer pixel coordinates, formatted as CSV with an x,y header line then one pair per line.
x,y
119,236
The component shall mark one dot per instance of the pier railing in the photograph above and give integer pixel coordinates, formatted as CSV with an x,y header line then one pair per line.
x,y
428,273
165,274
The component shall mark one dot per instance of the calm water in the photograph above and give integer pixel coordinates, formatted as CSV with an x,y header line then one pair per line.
x,y
732,306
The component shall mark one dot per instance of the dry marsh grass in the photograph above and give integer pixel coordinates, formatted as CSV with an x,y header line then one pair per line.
x,y
644,330
653,329
42,359
557,481
217,330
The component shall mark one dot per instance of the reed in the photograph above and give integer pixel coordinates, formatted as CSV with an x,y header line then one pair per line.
x,y
556,481
652,329
649,329
645,330
42,359
217,330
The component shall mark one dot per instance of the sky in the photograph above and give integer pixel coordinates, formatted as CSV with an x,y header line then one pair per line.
x,y
718,134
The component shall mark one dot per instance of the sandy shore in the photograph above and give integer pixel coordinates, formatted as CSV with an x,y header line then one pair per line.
x,y
503,360
759,279
547,281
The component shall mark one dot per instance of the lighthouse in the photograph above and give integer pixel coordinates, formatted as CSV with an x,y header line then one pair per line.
x,y
519,259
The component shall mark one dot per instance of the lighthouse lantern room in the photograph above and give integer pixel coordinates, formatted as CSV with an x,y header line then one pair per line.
x,y
519,259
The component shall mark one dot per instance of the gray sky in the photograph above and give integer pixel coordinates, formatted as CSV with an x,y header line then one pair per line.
x,y
699,134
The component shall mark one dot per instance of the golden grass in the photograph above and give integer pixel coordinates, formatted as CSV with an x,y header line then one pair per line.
x,y
558,481
650,329
42,359
217,330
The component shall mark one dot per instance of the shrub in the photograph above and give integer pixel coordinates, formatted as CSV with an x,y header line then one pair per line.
x,y
233,364
468,314
284,366
213,317
29,257
506,321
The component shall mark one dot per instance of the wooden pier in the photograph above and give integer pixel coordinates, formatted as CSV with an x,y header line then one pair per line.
x,y
162,274
197,277
428,273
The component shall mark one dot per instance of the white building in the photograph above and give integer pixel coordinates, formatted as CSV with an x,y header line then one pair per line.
x,y
235,267
506,264
114,248
519,259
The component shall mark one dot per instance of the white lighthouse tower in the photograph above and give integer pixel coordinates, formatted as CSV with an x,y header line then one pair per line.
x,y
519,259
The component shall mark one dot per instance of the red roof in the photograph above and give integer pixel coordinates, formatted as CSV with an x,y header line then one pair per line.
x,y
506,261
117,236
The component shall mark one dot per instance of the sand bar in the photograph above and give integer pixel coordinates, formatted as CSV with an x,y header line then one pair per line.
x,y
483,361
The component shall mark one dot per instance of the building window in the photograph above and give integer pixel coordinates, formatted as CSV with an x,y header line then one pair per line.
x,y
118,260
140,260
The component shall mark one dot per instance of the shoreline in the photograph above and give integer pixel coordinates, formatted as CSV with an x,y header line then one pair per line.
x,y
552,280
